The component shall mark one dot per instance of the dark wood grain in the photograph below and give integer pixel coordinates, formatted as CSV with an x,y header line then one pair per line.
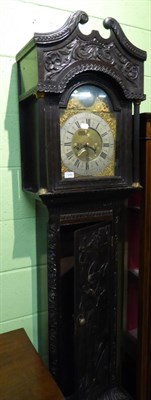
x,y
22,373
144,348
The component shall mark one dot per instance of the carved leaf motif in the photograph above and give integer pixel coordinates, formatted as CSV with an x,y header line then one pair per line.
x,y
129,70
106,53
56,61
85,52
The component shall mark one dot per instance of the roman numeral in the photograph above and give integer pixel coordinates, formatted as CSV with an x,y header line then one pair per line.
x,y
77,124
69,154
104,134
105,144
71,133
67,144
88,121
103,155
87,166
77,163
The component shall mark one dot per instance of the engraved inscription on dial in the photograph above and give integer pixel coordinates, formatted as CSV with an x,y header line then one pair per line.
x,y
87,144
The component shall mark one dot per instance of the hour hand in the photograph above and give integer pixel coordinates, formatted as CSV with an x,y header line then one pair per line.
x,y
91,148
80,148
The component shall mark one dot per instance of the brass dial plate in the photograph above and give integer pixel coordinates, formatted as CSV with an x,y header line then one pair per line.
x,y
87,144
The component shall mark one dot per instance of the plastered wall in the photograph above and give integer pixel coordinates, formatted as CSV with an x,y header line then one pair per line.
x,y
19,272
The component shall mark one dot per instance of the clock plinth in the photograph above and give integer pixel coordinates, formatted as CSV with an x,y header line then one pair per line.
x,y
80,158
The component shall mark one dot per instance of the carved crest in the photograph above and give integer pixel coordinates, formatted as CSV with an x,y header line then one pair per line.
x,y
60,56
69,53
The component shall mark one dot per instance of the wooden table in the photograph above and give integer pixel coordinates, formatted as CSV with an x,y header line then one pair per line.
x,y
23,375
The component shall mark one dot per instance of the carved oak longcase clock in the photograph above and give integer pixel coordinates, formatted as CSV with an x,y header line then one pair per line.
x,y
81,159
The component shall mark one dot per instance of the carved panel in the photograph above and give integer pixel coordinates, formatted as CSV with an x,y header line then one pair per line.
x,y
95,310
52,297
56,61
83,56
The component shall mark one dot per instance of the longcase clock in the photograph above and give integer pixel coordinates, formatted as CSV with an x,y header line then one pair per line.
x,y
80,158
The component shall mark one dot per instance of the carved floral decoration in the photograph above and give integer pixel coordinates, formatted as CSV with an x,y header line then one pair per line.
x,y
56,61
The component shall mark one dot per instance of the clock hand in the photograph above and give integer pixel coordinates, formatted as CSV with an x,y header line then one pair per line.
x,y
78,147
91,148
84,148
81,151
87,157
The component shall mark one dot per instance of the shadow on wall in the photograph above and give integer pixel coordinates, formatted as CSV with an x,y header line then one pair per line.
x,y
23,212
28,248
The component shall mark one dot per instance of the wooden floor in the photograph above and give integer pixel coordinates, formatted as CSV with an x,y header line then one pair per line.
x,y
23,375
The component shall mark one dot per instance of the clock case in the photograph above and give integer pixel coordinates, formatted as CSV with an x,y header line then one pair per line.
x,y
87,231
50,67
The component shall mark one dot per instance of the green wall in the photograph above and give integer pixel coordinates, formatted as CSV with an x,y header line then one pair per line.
x,y
22,301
